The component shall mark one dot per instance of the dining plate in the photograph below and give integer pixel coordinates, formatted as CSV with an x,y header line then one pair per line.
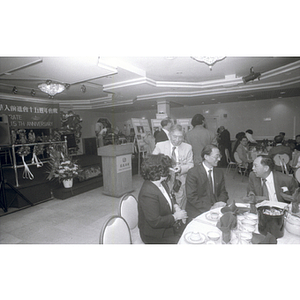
x,y
209,217
188,239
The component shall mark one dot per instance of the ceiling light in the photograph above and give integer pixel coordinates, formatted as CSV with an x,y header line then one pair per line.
x,y
14,90
282,93
83,88
32,93
251,76
51,88
209,60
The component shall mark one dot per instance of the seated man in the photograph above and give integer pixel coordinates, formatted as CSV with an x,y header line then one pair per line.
x,y
264,181
203,193
279,149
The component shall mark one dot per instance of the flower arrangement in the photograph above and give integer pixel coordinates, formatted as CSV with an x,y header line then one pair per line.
x,y
61,167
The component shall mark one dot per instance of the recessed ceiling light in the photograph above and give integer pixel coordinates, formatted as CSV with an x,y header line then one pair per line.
x,y
179,72
213,99
282,93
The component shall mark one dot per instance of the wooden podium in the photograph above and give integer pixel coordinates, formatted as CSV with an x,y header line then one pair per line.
x,y
117,169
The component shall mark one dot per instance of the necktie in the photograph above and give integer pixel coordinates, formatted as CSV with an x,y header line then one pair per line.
x,y
173,155
264,188
211,187
165,185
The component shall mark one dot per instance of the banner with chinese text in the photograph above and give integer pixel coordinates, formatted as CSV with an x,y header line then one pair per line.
x,y
23,114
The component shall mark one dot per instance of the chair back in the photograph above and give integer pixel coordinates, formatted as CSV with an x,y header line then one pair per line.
x,y
115,231
282,160
237,158
297,174
128,209
227,156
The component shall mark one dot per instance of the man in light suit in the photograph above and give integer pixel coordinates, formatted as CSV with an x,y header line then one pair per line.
x,y
201,194
182,155
276,182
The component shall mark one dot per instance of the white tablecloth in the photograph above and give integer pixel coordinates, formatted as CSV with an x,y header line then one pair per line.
x,y
203,225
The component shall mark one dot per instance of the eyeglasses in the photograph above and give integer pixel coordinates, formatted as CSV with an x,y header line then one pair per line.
x,y
217,156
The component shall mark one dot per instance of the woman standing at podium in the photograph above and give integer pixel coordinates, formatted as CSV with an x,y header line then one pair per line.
x,y
157,210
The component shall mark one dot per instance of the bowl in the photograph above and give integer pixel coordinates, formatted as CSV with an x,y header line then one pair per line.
x,y
214,236
248,222
248,228
251,216
195,236
214,216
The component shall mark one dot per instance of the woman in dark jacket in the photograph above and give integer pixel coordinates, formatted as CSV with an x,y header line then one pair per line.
x,y
158,211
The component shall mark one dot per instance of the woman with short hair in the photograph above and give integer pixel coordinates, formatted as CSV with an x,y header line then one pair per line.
x,y
158,211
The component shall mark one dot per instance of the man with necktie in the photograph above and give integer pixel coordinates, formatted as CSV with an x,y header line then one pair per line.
x,y
182,157
265,181
205,184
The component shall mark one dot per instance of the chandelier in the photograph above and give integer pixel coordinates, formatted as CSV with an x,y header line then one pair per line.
x,y
209,60
51,88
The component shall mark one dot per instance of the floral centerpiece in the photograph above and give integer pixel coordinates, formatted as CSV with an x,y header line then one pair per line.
x,y
61,166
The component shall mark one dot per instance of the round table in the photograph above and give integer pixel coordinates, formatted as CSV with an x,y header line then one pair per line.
x,y
203,224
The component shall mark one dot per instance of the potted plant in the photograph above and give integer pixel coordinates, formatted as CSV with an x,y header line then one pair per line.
x,y
62,167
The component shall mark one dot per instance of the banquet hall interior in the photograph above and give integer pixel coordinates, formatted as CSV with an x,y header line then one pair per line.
x,y
62,100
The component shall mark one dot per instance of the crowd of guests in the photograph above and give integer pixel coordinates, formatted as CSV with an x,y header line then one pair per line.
x,y
182,179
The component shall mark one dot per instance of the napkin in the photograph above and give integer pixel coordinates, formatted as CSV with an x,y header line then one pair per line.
x,y
263,239
234,209
226,223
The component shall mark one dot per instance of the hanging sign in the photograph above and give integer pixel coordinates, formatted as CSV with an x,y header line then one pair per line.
x,y
23,114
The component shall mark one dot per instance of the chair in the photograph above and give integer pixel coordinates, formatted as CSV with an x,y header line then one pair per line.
x,y
230,164
240,167
128,209
297,174
115,231
282,160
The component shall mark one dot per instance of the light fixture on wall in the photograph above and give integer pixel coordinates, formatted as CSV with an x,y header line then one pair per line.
x,y
209,60
83,88
32,92
51,88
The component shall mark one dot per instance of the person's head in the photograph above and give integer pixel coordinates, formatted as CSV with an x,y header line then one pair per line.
x,y
240,135
278,139
282,134
250,131
262,166
244,141
222,128
156,167
291,143
176,135
211,155
298,139
197,119
166,124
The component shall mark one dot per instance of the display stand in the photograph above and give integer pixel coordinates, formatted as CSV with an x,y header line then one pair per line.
x,y
117,169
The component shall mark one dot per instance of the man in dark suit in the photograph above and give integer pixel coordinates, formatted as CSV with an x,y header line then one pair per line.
x,y
202,192
264,181
163,134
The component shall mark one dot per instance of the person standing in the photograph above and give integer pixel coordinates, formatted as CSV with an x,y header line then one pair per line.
x,y
205,184
163,134
182,156
224,143
199,137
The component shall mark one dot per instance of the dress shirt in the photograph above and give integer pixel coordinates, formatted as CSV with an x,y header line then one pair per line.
x,y
164,192
271,187
212,174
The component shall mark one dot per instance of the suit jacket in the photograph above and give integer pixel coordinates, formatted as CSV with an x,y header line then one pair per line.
x,y
280,180
199,199
154,213
199,137
161,136
185,154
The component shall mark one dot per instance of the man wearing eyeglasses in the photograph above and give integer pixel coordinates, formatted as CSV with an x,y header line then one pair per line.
x,y
205,184
182,155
